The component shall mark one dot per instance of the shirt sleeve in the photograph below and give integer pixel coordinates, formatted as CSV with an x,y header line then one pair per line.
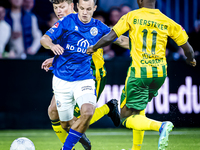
x,y
105,29
178,34
59,28
122,25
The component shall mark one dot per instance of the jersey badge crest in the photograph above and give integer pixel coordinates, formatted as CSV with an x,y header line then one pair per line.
x,y
94,31
58,103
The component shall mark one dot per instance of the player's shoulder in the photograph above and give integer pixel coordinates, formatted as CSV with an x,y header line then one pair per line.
x,y
100,24
97,22
69,17
72,15
167,19
131,14
136,11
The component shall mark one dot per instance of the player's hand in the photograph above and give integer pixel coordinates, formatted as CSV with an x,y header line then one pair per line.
x,y
191,63
90,50
47,64
57,49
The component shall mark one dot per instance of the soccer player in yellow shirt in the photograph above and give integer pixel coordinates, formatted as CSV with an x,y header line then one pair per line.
x,y
148,32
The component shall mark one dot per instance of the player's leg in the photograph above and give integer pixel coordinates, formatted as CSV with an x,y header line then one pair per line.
x,y
55,121
100,111
64,102
84,140
167,126
110,108
65,105
138,136
60,132
84,94
139,93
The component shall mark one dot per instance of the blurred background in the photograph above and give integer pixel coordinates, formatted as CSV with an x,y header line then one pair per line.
x,y
26,90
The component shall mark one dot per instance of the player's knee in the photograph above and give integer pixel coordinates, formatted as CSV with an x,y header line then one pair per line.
x,y
52,112
87,115
65,125
87,111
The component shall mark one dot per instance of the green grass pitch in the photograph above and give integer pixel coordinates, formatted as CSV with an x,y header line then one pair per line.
x,y
106,139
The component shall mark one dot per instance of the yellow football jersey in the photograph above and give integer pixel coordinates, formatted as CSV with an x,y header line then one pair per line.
x,y
99,71
98,60
148,32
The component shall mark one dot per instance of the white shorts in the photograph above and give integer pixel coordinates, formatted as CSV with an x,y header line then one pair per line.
x,y
67,93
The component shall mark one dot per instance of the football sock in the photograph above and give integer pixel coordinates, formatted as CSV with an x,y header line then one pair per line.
x,y
99,113
138,136
72,139
139,122
155,125
60,132
137,139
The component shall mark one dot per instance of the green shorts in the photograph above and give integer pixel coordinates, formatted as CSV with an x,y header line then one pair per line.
x,y
99,85
139,91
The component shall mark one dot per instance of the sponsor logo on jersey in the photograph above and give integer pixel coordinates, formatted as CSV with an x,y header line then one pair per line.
x,y
151,59
182,28
86,88
82,44
58,103
94,31
56,25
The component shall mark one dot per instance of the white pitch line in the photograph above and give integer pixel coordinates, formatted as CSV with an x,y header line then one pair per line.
x,y
100,133
146,133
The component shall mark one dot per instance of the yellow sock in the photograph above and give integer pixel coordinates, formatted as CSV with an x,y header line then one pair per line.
x,y
139,122
137,139
138,136
60,132
99,113
155,125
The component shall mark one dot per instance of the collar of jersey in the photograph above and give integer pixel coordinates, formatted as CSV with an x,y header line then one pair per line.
x,y
84,24
144,8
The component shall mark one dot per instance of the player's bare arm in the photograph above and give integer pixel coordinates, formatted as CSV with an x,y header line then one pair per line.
x,y
104,41
46,42
189,53
123,41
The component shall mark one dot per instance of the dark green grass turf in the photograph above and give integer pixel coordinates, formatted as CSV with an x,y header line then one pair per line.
x,y
105,139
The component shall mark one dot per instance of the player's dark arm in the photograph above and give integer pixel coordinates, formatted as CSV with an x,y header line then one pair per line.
x,y
47,43
105,40
189,53
123,41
